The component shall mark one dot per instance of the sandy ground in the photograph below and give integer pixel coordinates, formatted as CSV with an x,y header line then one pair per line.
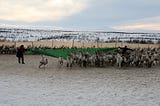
x,y
27,85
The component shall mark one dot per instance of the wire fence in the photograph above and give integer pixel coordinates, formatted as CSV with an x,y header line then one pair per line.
x,y
59,44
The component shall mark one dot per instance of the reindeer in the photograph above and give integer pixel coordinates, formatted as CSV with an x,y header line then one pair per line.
x,y
43,62
69,61
60,62
119,60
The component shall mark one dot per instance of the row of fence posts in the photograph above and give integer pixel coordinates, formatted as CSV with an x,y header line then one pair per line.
x,y
98,44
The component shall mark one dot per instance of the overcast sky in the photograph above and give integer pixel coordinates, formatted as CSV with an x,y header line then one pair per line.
x,y
106,15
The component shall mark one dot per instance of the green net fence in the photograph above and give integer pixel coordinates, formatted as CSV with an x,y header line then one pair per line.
x,y
65,52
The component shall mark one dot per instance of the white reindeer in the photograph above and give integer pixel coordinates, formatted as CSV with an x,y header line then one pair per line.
x,y
119,60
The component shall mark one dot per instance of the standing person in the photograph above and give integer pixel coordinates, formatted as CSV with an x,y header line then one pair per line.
x,y
20,54
124,50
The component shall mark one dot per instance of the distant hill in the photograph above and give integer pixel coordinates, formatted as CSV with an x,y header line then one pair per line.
x,y
15,34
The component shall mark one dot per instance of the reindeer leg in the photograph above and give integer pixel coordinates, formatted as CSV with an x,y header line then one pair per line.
x,y
40,65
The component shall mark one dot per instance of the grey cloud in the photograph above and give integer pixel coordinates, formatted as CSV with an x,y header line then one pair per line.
x,y
102,14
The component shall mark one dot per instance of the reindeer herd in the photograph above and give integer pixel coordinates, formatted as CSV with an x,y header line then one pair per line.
x,y
7,49
132,58
140,57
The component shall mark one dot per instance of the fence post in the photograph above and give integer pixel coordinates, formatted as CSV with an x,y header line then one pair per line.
x,y
32,44
52,43
15,44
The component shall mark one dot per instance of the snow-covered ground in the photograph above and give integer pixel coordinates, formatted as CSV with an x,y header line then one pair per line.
x,y
13,34
27,85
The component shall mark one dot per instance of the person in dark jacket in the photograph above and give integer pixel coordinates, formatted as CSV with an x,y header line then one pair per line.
x,y
20,54
124,50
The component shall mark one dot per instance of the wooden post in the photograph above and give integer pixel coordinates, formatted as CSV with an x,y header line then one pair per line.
x,y
116,42
52,43
73,43
32,44
15,44
97,42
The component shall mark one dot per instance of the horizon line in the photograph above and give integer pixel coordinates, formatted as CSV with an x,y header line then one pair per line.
x,y
54,28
